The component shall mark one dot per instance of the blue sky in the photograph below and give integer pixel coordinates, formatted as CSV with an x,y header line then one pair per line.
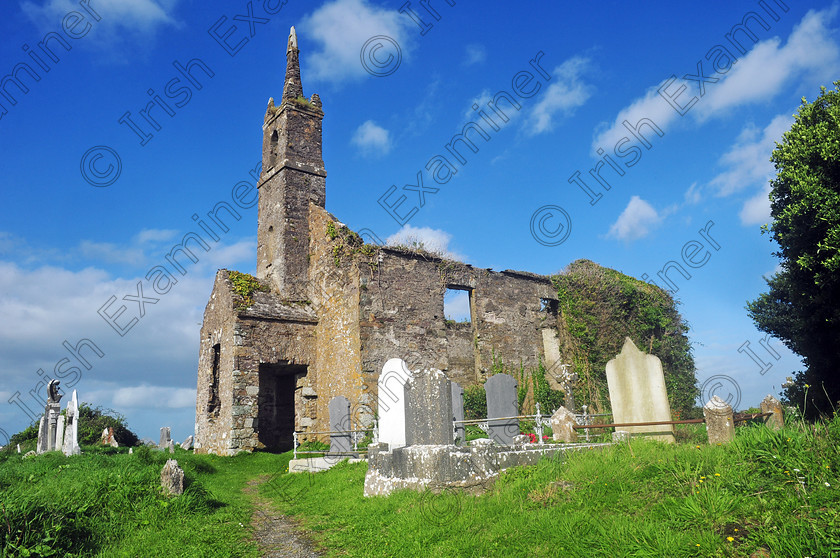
x,y
90,205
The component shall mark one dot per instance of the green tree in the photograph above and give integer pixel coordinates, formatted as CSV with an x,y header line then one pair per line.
x,y
802,306
93,420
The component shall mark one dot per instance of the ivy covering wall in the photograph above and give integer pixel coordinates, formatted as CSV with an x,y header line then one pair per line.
x,y
599,307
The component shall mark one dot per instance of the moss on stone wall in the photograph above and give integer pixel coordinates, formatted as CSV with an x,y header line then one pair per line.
x,y
600,307
244,286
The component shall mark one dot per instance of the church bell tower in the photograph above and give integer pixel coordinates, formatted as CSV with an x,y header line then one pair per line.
x,y
292,176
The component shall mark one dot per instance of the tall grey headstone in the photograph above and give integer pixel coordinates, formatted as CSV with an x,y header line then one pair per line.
x,y
165,436
59,433
502,403
391,403
637,392
71,429
340,423
428,409
43,436
458,413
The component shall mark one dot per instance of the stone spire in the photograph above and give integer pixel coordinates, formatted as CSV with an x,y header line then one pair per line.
x,y
292,88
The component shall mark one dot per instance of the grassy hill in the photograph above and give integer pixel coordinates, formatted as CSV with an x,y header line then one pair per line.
x,y
766,494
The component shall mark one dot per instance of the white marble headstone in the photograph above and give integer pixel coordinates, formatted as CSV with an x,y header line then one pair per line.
x,y
637,392
391,402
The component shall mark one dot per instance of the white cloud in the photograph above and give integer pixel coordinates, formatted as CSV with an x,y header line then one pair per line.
x,y
46,305
760,75
748,160
433,240
456,305
342,28
154,235
372,139
809,52
692,195
636,221
475,54
109,252
756,210
651,106
566,93
144,396
121,21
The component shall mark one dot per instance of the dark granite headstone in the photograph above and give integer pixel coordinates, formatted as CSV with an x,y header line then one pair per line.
x,y
458,413
501,404
428,409
340,422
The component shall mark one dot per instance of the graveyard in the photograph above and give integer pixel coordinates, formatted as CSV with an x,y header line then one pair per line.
x,y
340,413
766,493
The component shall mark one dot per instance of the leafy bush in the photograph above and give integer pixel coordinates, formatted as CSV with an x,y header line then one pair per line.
x,y
93,420
599,308
475,402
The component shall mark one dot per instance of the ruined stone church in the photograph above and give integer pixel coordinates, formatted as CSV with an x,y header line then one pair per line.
x,y
329,310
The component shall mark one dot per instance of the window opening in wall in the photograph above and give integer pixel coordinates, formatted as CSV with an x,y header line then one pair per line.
x,y
548,305
456,305
214,402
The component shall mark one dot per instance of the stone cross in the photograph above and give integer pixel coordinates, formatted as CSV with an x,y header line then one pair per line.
x,y
428,409
720,424
391,403
636,383
458,414
770,404
502,403
340,423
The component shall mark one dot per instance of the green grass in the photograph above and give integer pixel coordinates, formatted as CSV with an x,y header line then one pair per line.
x,y
107,503
769,490
639,499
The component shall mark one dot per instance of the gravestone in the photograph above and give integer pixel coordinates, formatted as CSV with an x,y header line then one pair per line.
x,y
188,443
720,424
172,478
428,409
47,428
458,413
59,433
391,403
71,429
165,436
340,424
770,404
170,446
108,438
637,392
562,426
502,406
43,436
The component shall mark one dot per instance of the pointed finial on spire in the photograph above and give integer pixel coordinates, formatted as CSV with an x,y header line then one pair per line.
x,y
292,88
292,40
